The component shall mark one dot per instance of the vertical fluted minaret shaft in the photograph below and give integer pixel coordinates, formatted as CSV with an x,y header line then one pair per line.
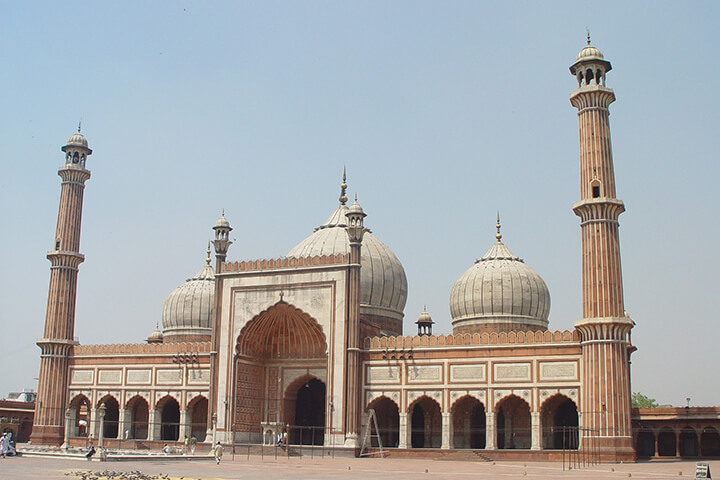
x,y
58,335
605,328
356,231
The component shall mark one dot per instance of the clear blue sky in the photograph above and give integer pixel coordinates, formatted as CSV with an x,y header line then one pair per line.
x,y
443,113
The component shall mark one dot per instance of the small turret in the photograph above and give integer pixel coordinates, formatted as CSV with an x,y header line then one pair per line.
x,y
424,322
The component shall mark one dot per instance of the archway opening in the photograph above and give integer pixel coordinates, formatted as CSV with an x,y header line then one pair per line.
x,y
139,416
513,423
198,418
667,443
169,419
559,423
468,416
426,427
308,427
645,444
112,417
710,442
688,442
388,419
80,408
273,341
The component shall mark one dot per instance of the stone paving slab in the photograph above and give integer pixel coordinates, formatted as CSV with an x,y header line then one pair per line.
x,y
293,468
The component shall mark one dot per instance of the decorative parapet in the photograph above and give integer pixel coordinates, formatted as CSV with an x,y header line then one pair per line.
x,y
142,348
472,339
283,263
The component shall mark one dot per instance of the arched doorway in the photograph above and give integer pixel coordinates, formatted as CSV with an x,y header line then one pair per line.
x,y
388,419
426,427
308,424
688,442
645,445
271,343
513,423
139,416
468,416
667,443
197,412
559,420
112,417
80,409
710,442
169,419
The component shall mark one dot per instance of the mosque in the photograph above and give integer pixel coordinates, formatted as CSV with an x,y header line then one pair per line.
x,y
311,342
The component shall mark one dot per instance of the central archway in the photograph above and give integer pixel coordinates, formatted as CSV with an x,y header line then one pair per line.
x,y
274,342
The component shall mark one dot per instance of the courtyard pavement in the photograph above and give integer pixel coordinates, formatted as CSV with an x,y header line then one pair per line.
x,y
296,468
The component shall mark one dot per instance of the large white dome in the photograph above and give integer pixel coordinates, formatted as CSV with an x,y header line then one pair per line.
x,y
499,294
383,284
187,312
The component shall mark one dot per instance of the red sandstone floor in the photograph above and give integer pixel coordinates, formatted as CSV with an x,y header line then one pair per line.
x,y
344,468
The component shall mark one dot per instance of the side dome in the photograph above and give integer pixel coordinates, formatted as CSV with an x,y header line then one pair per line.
x,y
499,294
383,284
187,312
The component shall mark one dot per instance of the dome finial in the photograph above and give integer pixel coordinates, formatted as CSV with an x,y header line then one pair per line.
x,y
80,125
498,235
587,30
207,259
343,187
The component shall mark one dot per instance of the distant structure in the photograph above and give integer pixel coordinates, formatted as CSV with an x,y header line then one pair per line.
x,y
307,343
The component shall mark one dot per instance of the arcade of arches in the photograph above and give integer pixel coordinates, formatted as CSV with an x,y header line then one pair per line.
x,y
467,423
136,421
270,351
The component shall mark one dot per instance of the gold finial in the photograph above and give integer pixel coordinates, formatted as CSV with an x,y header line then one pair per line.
x,y
587,30
207,260
79,125
498,235
343,187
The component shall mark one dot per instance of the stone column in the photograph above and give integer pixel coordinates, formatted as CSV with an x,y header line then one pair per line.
x,y
93,426
68,423
124,423
446,427
153,425
184,431
101,415
404,433
490,434
535,431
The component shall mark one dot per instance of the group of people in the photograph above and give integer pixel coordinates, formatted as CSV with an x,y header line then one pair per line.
x,y
6,445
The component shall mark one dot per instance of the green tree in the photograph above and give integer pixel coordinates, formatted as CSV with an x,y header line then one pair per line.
x,y
641,401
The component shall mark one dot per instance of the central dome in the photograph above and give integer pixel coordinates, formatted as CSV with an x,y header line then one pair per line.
x,y
187,312
383,284
499,294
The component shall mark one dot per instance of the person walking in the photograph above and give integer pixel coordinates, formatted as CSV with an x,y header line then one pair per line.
x,y
218,450
193,445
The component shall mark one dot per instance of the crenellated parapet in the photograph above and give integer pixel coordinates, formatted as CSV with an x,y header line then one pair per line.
x,y
283,263
142,348
476,339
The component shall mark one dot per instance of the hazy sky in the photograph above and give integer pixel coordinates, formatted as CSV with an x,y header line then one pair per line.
x,y
443,112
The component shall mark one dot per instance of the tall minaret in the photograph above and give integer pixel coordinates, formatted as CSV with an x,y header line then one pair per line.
x,y
221,243
58,337
353,406
605,327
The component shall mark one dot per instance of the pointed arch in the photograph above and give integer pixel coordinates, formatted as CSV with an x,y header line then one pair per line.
x,y
169,418
197,413
305,401
387,413
426,423
80,415
112,415
559,420
139,417
513,423
282,331
468,420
